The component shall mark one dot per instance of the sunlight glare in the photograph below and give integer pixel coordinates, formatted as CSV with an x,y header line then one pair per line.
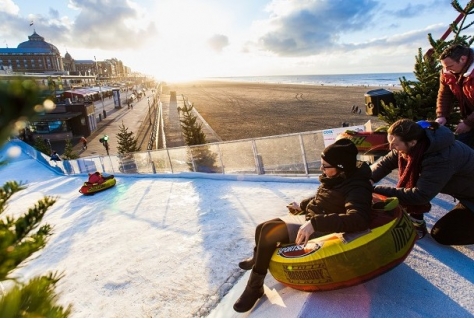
x,y
181,49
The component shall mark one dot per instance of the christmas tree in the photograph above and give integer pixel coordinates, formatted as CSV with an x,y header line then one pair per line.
x,y
127,142
41,146
69,154
201,158
192,130
417,99
23,235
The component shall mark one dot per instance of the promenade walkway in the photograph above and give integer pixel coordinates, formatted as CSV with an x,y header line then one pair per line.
x,y
174,136
134,119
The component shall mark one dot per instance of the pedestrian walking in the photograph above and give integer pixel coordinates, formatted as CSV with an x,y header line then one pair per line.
x,y
84,143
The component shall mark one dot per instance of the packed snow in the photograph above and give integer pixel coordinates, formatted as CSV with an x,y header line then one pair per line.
x,y
168,246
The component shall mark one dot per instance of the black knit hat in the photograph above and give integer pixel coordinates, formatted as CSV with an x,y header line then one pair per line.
x,y
341,154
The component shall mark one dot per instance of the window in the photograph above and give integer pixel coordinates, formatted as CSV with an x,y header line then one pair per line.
x,y
40,127
49,127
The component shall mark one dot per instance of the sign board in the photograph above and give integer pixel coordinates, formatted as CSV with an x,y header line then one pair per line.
x,y
116,95
330,135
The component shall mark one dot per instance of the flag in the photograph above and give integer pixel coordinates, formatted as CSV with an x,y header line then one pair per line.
x,y
31,23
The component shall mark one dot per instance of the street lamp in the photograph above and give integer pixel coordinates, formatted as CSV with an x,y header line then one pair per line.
x,y
100,90
126,95
149,113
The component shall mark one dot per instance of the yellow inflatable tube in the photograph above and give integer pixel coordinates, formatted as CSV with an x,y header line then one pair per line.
x,y
345,259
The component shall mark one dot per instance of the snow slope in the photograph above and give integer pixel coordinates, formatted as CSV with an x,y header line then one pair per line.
x,y
168,246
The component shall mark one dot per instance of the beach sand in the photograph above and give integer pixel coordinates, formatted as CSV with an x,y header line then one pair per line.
x,y
237,110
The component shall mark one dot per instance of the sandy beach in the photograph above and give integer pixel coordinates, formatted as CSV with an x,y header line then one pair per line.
x,y
237,110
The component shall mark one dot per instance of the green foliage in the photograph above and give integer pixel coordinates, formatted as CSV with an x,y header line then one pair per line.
x,y
458,28
201,158
41,146
22,236
69,154
417,99
192,131
19,239
34,299
21,100
204,159
127,142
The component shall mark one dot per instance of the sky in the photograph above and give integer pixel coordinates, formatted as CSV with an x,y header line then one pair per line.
x,y
170,247
188,39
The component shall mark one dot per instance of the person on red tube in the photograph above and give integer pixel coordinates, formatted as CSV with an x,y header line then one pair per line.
x,y
96,178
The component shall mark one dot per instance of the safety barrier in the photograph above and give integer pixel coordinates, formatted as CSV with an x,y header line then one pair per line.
x,y
295,154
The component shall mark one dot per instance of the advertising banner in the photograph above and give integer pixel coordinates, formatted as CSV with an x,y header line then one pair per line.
x,y
116,95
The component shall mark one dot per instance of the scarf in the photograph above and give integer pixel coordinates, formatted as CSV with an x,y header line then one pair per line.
x,y
331,182
408,172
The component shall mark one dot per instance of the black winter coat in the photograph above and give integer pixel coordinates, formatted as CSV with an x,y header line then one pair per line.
x,y
446,167
341,204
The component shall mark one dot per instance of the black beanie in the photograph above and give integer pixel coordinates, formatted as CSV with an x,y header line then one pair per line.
x,y
341,154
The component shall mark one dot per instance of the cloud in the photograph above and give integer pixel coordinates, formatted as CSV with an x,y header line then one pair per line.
x,y
417,10
311,27
99,24
54,13
9,7
218,42
110,25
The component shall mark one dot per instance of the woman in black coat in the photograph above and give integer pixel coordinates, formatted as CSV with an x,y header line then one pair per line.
x,y
342,204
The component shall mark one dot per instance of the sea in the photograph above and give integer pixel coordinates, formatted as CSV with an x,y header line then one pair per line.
x,y
364,79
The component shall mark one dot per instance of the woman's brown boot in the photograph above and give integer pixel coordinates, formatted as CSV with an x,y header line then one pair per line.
x,y
248,263
253,291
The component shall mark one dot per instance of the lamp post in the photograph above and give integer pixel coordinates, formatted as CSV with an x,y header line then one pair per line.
x,y
100,90
126,95
149,113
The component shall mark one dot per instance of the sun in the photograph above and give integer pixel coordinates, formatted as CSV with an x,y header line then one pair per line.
x,y
181,51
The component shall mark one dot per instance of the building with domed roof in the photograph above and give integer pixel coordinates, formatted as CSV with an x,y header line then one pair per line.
x,y
69,63
34,55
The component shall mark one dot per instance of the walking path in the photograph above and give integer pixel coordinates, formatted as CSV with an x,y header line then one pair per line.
x,y
134,119
131,118
174,136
